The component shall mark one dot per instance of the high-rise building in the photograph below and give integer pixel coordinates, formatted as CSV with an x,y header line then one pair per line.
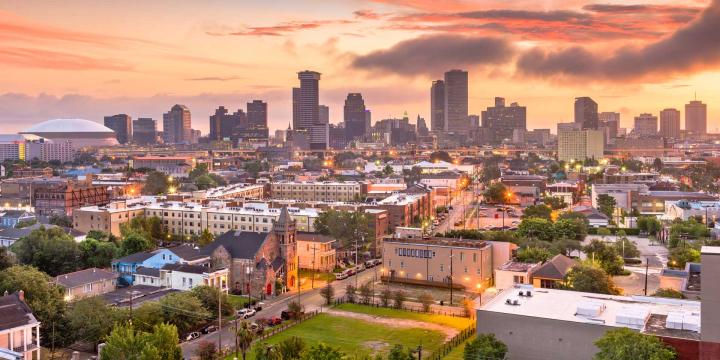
x,y
338,139
580,144
456,102
586,112
306,110
257,114
223,124
611,121
121,124
696,118
354,116
474,120
437,106
422,128
670,123
368,121
645,125
501,120
144,131
177,125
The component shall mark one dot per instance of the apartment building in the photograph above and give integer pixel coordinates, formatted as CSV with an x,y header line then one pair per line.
x,y
63,198
19,329
240,191
107,218
406,209
87,283
318,191
316,252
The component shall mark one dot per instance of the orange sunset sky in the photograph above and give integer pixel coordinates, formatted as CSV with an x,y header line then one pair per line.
x,y
87,58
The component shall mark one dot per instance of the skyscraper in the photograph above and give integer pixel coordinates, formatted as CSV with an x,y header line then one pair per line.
x,y
580,144
437,106
670,123
611,121
354,116
144,131
421,125
121,124
456,102
257,114
645,125
177,125
306,110
501,120
586,112
223,124
696,118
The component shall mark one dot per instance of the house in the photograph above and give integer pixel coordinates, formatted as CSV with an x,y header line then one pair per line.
x,y
594,216
258,261
186,276
156,259
512,273
316,252
552,273
10,218
19,330
87,283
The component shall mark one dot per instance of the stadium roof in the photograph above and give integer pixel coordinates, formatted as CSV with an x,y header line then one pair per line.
x,y
67,125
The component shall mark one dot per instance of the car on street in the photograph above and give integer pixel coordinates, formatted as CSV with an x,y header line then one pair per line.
x,y
341,276
209,329
192,336
274,321
259,306
245,313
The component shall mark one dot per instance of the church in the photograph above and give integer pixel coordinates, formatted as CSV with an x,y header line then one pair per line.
x,y
260,264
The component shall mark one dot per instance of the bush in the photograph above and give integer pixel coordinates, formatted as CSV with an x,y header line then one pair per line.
x,y
206,350
385,297
485,346
669,293
399,298
426,300
350,293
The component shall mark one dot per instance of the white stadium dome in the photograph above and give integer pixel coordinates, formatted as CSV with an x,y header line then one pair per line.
x,y
82,133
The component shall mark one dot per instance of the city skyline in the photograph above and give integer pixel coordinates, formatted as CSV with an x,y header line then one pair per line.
x,y
77,64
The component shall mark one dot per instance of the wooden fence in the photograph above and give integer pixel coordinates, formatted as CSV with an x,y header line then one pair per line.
x,y
456,341
409,306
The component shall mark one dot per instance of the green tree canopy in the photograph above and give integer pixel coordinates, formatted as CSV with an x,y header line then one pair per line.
x,y
135,243
649,224
496,193
345,226
536,228
606,255
99,254
184,310
606,204
626,344
125,343
323,352
485,346
589,278
537,211
7,258
92,320
50,250
208,296
682,255
555,202
156,183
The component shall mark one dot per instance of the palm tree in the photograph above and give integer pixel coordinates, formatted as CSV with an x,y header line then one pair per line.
x,y
244,338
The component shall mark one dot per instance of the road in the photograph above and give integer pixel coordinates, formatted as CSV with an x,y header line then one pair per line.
x,y
311,300
456,213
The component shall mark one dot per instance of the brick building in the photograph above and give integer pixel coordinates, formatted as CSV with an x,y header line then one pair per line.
x,y
63,198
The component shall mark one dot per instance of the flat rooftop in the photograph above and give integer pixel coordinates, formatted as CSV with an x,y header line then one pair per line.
x,y
517,266
568,306
437,241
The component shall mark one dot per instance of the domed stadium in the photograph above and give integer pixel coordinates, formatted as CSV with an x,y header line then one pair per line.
x,y
82,133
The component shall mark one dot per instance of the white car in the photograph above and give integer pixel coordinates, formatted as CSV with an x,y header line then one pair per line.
x,y
245,313
192,336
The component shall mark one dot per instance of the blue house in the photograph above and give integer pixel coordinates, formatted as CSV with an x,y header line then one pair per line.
x,y
127,266
10,218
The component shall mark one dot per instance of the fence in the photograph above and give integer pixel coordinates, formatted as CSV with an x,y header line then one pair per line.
x,y
408,306
284,326
456,341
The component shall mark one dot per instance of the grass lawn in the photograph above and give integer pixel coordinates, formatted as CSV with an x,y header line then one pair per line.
x,y
238,301
459,323
319,275
355,337
458,352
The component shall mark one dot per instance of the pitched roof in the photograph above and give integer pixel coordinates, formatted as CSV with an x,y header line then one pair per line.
x,y
136,257
82,277
146,271
240,244
555,268
14,312
187,252
313,237
186,268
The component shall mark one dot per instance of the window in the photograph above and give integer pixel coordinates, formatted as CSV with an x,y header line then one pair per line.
x,y
442,267
474,257
518,279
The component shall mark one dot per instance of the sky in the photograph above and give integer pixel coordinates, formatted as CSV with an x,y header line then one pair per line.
x,y
87,58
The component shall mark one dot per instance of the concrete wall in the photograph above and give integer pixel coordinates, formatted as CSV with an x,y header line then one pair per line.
x,y
531,338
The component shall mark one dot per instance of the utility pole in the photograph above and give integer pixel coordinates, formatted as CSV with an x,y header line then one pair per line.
x,y
312,281
647,265
220,319
451,276
357,273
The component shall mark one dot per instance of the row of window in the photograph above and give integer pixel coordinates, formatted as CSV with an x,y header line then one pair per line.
x,y
425,254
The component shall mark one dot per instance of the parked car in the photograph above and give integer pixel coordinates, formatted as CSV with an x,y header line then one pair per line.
x,y
210,329
369,264
274,321
192,336
360,268
341,276
254,326
259,306
245,313
287,315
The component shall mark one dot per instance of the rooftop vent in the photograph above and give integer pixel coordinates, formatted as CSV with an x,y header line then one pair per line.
x,y
632,317
590,308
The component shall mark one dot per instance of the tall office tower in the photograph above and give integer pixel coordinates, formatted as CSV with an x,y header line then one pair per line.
x,y
422,128
306,110
177,125
121,124
696,118
501,121
586,112
354,116
456,102
670,123
368,121
223,124
474,121
337,136
257,115
580,144
611,120
437,106
144,131
645,125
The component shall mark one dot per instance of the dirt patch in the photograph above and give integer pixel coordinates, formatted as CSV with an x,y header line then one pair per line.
x,y
394,322
376,346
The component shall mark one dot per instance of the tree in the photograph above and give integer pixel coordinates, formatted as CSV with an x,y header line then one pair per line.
x,y
295,310
61,220
536,228
244,338
399,352
626,248
345,226
366,293
388,170
42,295
575,229
165,339
7,259
291,348
626,344
606,255
99,254
669,293
50,250
156,183
485,346
205,238
496,193
589,278
183,310
208,296
555,202
606,204
266,352
537,211
682,255
322,352
92,320
385,297
135,243
350,292
328,293
399,298
649,224
204,182
490,172
125,343
532,254
148,315
207,350
426,300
